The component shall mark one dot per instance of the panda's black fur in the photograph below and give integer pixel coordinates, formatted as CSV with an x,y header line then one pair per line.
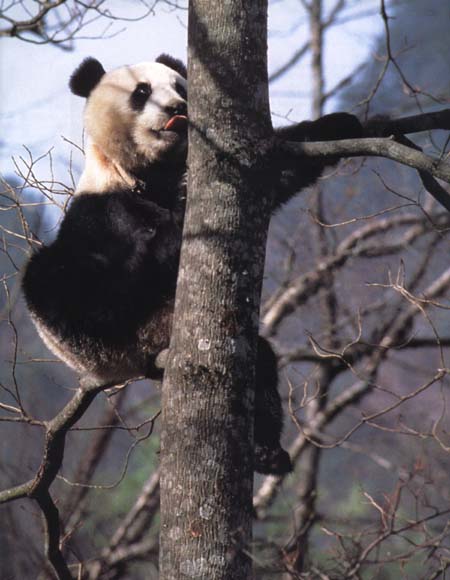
x,y
101,295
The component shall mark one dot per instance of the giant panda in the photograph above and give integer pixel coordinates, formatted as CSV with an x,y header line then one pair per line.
x,y
102,294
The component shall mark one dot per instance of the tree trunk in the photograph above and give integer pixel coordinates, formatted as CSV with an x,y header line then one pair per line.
x,y
207,422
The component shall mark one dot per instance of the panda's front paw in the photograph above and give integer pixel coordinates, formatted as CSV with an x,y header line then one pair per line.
x,y
161,359
272,460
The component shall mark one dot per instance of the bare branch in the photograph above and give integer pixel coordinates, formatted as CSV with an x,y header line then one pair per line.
x,y
52,535
299,290
38,488
383,127
372,147
312,433
60,22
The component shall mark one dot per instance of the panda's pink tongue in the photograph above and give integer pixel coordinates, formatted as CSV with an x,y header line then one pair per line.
x,y
176,123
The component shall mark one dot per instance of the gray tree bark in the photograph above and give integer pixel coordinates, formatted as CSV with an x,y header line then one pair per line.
x,y
207,421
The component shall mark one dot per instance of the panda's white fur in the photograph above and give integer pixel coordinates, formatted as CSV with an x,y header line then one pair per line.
x,y
123,140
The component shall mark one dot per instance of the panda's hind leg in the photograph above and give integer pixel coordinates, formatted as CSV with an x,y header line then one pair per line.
x,y
270,457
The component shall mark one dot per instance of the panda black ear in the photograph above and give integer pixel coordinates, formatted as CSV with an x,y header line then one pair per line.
x,y
86,77
173,63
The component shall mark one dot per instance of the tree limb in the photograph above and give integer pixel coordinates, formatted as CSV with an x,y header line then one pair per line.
x,y
382,138
355,245
52,535
371,147
383,127
377,147
38,487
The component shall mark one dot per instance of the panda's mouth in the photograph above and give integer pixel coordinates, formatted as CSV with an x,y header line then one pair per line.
x,y
177,124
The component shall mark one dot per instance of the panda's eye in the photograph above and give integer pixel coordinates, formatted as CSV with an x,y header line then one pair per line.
x,y
140,96
181,91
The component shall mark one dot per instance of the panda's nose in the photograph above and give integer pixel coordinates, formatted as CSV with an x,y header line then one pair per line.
x,y
178,108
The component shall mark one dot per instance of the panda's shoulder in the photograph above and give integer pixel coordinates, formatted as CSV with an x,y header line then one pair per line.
x,y
94,205
89,203
88,211
125,211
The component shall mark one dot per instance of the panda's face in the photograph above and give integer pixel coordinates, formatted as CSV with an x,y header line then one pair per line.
x,y
137,115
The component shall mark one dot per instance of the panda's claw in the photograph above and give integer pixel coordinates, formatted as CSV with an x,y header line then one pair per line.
x,y
272,461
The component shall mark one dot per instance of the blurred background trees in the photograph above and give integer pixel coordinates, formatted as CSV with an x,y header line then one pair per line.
x,y
356,302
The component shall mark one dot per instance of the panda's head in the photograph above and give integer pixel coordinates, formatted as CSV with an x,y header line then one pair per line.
x,y
135,116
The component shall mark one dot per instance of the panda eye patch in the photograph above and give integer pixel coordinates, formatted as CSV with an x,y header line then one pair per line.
x,y
140,96
181,91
